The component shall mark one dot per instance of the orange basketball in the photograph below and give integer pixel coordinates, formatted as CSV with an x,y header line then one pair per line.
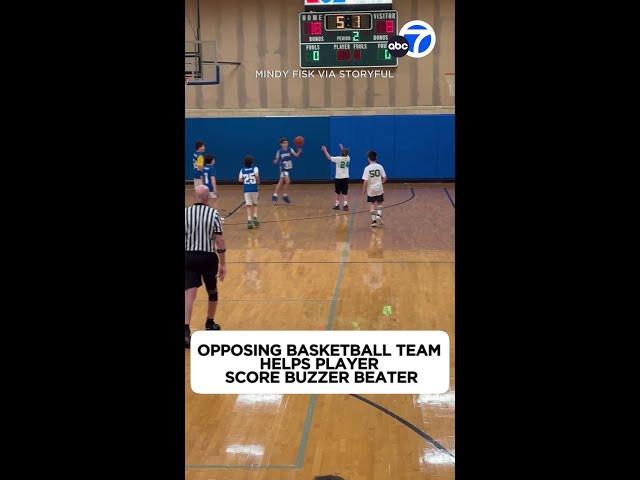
x,y
299,141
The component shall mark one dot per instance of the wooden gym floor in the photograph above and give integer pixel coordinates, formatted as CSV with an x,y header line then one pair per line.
x,y
309,267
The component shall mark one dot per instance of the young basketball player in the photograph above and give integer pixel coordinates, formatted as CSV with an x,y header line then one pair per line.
x,y
209,178
374,176
250,178
198,163
342,175
284,162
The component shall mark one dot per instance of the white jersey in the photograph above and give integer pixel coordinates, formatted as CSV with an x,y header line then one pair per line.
x,y
374,173
342,166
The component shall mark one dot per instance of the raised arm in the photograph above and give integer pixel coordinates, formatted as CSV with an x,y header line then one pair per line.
x,y
326,154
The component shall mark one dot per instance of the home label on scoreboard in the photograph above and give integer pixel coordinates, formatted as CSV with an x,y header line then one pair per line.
x,y
347,39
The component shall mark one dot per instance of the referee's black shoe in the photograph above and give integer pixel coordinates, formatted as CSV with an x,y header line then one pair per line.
x,y
211,325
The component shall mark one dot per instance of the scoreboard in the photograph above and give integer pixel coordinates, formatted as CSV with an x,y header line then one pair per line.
x,y
347,39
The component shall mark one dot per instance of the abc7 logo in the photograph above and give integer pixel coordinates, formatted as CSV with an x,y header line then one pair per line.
x,y
422,36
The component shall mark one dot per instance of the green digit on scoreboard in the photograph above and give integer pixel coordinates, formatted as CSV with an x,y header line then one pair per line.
x,y
383,54
316,55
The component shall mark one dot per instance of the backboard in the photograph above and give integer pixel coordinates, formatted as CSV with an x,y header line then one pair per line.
x,y
201,63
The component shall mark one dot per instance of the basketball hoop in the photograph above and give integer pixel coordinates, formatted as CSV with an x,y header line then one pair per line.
x,y
451,81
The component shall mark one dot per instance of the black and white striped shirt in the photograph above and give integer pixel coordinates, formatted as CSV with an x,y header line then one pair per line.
x,y
201,225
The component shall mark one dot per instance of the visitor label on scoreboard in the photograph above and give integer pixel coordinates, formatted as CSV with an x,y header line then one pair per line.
x,y
347,39
319,362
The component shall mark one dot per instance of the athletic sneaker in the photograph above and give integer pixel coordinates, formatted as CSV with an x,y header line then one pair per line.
x,y
211,325
379,220
337,207
249,224
345,208
286,199
256,223
274,199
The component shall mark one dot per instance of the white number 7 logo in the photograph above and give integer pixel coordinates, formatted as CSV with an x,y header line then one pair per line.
x,y
422,31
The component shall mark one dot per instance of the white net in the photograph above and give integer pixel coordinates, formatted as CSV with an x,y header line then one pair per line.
x,y
451,82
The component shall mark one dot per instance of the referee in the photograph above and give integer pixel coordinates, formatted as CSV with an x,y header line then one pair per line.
x,y
202,228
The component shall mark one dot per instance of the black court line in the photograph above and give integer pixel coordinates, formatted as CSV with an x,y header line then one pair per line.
x,y
234,211
408,424
450,199
262,222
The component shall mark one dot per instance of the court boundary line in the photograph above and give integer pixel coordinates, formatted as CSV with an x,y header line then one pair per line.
x,y
405,423
343,260
450,199
232,212
302,449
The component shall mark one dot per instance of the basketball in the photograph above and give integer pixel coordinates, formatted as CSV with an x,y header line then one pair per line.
x,y
299,141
